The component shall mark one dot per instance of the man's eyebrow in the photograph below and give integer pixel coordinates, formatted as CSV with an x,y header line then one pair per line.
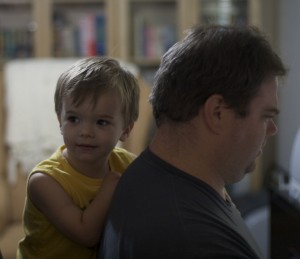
x,y
276,111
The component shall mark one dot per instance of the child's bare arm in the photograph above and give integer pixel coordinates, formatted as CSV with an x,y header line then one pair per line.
x,y
85,226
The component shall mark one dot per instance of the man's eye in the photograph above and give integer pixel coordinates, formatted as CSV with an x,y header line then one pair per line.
x,y
269,117
102,122
73,119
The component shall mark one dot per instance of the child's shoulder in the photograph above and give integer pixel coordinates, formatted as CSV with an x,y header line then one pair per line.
x,y
120,159
123,153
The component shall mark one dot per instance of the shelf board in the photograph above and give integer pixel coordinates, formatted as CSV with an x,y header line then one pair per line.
x,y
152,1
77,1
14,2
145,62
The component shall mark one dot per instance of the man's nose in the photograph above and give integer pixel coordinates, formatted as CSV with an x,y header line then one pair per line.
x,y
272,128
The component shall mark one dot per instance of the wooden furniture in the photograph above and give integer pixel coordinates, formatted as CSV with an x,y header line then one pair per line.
x,y
40,16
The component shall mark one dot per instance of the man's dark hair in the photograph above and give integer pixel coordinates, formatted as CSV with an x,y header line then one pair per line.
x,y
227,60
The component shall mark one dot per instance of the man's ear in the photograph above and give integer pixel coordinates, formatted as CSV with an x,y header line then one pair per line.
x,y
126,132
213,112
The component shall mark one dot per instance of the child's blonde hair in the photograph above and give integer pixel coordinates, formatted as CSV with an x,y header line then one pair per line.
x,y
90,77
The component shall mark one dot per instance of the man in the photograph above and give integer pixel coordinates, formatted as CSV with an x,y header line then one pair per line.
x,y
214,101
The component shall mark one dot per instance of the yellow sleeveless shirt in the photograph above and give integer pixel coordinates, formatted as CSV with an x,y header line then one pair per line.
x,y
42,240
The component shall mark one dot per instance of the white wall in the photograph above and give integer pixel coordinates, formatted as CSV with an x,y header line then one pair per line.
x,y
289,95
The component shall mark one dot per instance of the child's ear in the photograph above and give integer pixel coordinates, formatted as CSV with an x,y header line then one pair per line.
x,y
126,132
59,122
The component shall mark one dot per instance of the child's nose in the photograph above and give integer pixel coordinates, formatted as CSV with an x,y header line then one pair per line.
x,y
87,130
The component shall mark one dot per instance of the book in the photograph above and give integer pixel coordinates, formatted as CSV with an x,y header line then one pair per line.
x,y
85,36
154,32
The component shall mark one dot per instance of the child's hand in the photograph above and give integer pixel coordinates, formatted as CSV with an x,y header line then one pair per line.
x,y
112,176
110,180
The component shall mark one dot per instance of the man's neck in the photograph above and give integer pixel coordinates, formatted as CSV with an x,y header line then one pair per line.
x,y
185,152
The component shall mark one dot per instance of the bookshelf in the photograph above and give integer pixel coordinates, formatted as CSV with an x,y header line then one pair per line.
x,y
16,30
78,29
157,24
51,28
139,31
152,35
224,12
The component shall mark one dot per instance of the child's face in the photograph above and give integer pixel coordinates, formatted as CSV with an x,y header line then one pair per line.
x,y
91,132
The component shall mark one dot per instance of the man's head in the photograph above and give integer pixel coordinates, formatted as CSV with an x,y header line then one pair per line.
x,y
226,60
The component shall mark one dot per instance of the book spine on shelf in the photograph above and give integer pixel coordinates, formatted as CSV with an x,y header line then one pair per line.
x,y
85,37
100,34
153,35
15,43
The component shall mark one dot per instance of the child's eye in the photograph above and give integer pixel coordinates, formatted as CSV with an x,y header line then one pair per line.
x,y
73,119
102,122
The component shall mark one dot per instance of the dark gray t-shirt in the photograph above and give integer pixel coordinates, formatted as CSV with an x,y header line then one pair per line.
x,y
159,211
